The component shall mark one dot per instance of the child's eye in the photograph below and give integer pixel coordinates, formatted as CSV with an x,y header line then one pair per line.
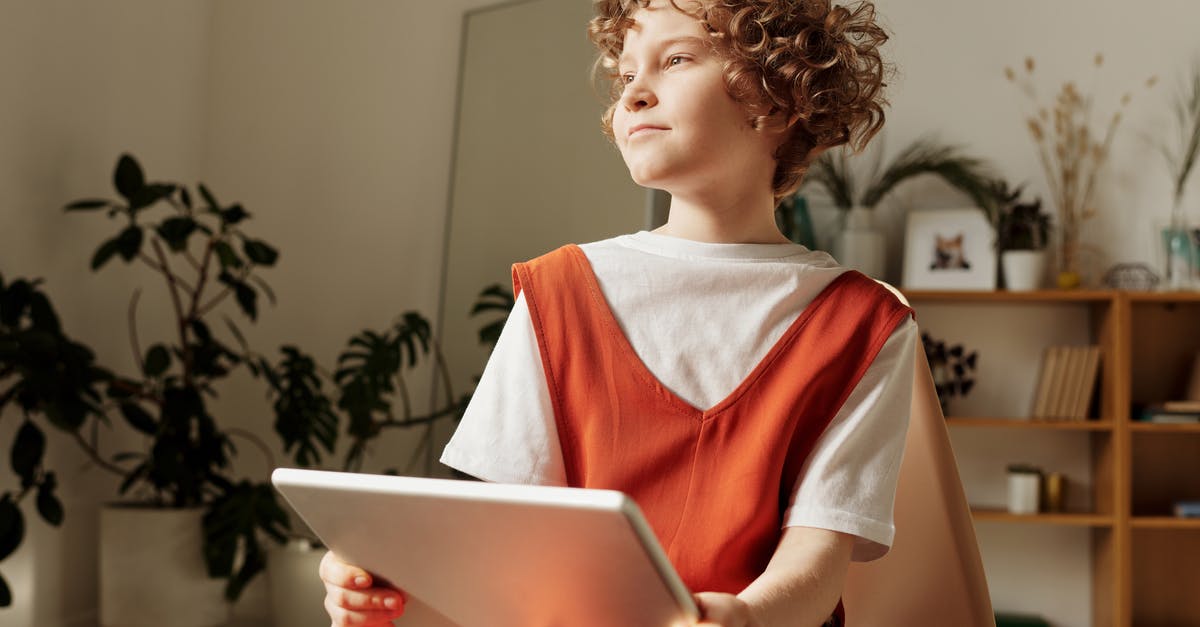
x,y
626,79
674,58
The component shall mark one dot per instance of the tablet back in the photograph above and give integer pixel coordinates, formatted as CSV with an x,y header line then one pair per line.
x,y
495,555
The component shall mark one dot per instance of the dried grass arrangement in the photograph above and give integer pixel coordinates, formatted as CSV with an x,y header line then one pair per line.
x,y
1072,150
1182,155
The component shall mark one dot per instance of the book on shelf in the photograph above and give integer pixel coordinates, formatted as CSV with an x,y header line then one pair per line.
x,y
1182,406
1187,509
1041,399
1066,382
1166,413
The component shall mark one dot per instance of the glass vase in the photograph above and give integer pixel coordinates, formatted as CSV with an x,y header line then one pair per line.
x,y
1179,269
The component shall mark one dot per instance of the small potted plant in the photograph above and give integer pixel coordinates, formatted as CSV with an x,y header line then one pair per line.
x,y
1022,235
951,367
860,245
1180,240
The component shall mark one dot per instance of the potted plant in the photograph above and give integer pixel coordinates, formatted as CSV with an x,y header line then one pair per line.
x,y
1073,153
369,387
1181,251
951,367
179,489
1022,234
860,245
182,476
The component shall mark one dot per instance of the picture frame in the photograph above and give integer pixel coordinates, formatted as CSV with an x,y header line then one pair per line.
x,y
949,249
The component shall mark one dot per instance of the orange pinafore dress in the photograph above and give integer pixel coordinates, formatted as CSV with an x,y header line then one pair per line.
x,y
714,484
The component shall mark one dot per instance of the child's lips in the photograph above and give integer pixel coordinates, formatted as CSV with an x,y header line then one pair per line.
x,y
645,129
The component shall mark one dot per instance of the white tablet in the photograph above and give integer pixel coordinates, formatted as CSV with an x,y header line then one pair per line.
x,y
476,554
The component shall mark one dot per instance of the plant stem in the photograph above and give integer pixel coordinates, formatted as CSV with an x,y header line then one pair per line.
x,y
196,311
402,389
133,336
445,372
256,441
164,271
95,455
172,284
420,420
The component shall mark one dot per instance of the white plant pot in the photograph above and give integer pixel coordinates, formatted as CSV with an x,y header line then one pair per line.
x,y
297,594
152,570
1023,269
860,246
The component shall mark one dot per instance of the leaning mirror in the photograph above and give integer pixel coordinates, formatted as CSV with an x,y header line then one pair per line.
x,y
532,170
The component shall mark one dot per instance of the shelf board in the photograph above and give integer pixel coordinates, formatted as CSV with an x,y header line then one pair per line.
x,y
1002,296
1158,427
1071,519
1028,423
1164,522
1165,297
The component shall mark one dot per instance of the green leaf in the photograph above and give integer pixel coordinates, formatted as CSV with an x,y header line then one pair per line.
x,y
247,299
185,197
12,527
209,198
27,451
137,475
157,360
260,253
149,195
201,331
234,215
128,177
225,254
139,418
86,205
41,314
105,252
5,593
262,285
129,242
175,231
48,504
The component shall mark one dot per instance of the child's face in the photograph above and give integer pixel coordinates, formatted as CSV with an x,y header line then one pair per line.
x,y
701,137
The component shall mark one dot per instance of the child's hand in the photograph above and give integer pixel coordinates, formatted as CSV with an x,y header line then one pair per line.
x,y
718,609
350,599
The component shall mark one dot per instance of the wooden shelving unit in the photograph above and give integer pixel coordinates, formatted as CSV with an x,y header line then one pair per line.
x,y
1145,563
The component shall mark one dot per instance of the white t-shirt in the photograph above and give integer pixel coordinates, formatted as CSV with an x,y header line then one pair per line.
x,y
701,316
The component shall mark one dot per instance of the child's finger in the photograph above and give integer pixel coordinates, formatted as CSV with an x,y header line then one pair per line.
x,y
334,571
369,599
342,616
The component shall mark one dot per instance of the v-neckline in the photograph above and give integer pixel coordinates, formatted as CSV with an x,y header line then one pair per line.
x,y
609,320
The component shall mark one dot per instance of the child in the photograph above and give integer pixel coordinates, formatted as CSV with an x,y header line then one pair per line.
x,y
751,395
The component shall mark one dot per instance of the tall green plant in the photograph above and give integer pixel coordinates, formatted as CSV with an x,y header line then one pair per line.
x,y
200,250
51,379
835,173
56,382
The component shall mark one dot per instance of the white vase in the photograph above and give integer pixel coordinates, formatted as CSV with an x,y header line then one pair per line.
x,y
297,594
1024,490
1023,269
152,570
860,245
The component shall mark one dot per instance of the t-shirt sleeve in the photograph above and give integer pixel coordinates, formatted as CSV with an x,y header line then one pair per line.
x,y
848,483
508,433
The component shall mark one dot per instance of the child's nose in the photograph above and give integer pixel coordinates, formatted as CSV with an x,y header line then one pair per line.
x,y
638,95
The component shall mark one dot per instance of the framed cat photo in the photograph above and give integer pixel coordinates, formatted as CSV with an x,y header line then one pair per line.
x,y
949,249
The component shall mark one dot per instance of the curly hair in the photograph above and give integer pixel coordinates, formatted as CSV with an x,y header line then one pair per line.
x,y
805,59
